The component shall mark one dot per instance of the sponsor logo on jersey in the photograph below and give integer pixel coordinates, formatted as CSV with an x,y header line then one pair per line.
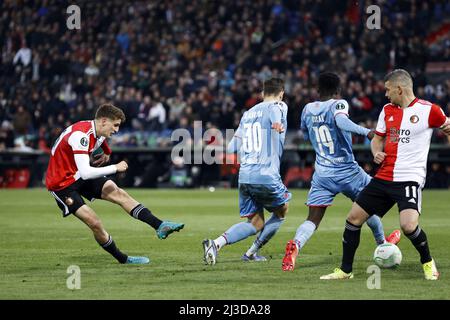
x,y
414,119
399,135
391,118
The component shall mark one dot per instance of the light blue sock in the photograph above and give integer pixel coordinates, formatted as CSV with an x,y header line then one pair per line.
x,y
239,232
270,228
374,223
304,232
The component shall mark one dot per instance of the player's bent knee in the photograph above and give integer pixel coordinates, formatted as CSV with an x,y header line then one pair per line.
x,y
257,222
121,194
315,215
282,211
258,227
357,215
110,191
95,225
408,227
356,220
116,195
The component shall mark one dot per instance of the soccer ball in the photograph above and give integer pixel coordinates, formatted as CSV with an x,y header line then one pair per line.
x,y
387,255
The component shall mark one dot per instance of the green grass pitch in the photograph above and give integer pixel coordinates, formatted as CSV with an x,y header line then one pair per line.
x,y
38,245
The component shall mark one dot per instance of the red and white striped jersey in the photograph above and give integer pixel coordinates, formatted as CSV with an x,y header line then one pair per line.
x,y
79,138
408,134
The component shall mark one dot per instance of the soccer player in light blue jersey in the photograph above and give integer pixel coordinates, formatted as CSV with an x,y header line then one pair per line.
x,y
327,125
259,141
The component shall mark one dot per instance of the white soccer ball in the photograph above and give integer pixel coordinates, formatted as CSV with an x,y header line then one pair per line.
x,y
387,255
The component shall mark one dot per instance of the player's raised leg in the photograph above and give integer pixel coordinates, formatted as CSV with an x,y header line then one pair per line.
x,y
113,193
88,216
409,222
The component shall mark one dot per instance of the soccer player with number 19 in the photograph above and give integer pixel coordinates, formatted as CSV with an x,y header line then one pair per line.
x,y
259,141
327,125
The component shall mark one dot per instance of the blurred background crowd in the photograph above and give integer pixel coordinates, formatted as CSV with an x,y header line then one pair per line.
x,y
170,63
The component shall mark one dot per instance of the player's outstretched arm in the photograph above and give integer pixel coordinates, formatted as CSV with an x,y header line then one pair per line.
x,y
344,123
377,145
88,172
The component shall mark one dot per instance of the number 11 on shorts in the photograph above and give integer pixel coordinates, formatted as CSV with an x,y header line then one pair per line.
x,y
411,190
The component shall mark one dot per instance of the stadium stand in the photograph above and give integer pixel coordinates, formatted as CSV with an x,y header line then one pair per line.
x,y
170,63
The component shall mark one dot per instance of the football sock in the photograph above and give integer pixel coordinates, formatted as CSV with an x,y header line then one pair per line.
x,y
350,242
375,224
142,213
238,232
220,242
110,247
304,233
419,240
270,228
253,249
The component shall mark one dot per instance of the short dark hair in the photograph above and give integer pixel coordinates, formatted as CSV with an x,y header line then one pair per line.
x,y
399,76
110,111
329,84
273,86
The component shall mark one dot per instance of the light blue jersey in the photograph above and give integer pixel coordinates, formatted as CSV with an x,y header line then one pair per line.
x,y
327,126
262,147
333,146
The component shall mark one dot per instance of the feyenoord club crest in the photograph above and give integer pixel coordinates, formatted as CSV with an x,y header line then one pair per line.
x,y
69,201
414,119
84,142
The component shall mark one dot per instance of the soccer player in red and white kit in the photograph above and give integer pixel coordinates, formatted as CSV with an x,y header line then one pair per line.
x,y
71,177
401,146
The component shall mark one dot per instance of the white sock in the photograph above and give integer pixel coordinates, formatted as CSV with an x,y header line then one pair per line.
x,y
220,242
253,250
304,232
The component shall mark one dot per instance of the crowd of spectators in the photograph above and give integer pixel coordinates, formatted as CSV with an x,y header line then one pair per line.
x,y
169,63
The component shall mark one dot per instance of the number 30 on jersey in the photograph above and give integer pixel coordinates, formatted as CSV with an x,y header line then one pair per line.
x,y
252,140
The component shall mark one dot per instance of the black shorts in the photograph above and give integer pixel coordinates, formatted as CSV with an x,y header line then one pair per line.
x,y
69,199
379,196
